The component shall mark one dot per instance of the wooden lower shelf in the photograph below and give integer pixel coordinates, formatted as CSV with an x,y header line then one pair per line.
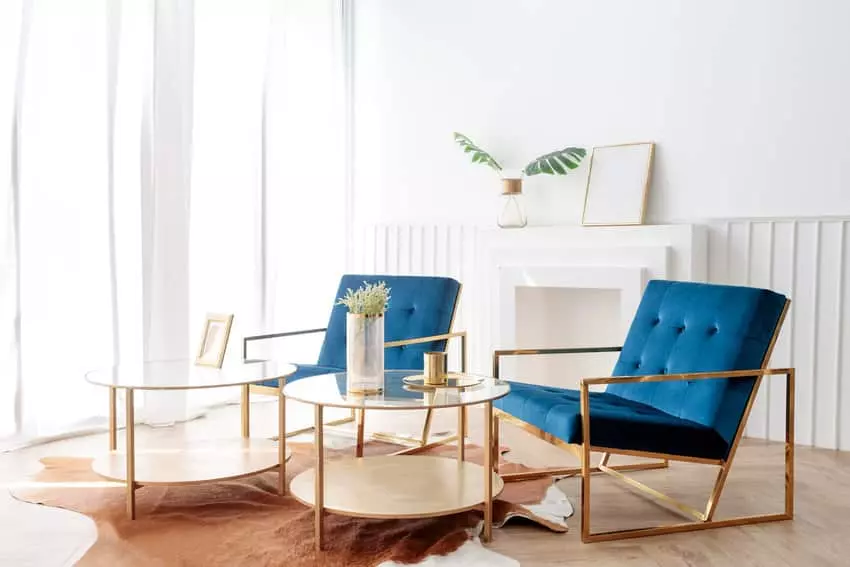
x,y
405,486
195,462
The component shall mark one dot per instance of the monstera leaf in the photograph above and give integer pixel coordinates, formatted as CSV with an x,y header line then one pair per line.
x,y
478,155
556,163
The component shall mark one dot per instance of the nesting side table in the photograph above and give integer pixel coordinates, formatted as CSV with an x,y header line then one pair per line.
x,y
403,486
191,462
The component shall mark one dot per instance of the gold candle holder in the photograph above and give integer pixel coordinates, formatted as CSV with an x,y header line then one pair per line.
x,y
435,368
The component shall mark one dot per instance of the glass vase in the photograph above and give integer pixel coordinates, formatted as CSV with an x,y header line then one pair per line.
x,y
512,214
364,353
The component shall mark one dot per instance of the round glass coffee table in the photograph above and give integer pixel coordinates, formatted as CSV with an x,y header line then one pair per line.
x,y
407,486
193,462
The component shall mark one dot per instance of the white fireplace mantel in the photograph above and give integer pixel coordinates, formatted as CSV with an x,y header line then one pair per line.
x,y
622,258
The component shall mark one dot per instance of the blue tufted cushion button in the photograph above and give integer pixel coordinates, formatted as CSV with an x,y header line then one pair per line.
x,y
656,321
713,330
663,371
637,364
680,329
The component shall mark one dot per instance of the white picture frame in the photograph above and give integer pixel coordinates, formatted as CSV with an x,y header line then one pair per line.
x,y
618,181
214,340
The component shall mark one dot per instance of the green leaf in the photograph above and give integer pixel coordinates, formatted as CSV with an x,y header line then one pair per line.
x,y
478,155
556,163
568,163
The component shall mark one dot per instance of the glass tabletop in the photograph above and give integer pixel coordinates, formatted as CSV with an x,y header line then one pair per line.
x,y
330,390
185,375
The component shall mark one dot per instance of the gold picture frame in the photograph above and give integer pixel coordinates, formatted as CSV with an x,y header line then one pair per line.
x,y
214,340
623,192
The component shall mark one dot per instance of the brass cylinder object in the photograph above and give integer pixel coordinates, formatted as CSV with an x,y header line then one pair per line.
x,y
511,186
435,368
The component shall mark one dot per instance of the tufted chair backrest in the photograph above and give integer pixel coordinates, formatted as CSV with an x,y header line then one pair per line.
x,y
683,327
420,306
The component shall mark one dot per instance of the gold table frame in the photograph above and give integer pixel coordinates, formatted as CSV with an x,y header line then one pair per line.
x,y
489,467
129,477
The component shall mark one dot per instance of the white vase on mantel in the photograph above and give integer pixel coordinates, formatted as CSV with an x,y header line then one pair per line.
x,y
512,213
364,353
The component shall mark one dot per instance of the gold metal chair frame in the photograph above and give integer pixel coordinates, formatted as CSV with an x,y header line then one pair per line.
x,y
415,445
701,519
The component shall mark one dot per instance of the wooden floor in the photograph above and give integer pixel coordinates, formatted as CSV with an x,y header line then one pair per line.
x,y
820,534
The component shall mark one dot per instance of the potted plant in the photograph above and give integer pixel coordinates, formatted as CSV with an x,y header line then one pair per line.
x,y
559,162
364,337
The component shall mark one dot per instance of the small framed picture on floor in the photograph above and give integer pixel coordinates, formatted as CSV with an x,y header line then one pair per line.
x,y
214,340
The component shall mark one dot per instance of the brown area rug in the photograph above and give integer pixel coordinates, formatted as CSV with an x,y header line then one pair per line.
x,y
244,522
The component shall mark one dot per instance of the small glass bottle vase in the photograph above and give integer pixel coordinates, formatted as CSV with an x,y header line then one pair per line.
x,y
512,214
364,353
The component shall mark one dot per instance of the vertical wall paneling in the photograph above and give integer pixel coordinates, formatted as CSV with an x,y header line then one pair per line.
x,y
421,250
825,418
783,260
759,262
805,259
804,328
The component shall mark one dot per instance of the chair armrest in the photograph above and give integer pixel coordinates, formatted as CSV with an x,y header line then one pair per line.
x,y
689,376
432,338
789,373
497,354
275,336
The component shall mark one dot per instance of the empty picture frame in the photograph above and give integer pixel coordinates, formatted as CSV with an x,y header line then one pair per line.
x,y
214,340
617,184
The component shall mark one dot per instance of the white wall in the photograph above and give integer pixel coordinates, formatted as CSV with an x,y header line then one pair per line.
x,y
747,101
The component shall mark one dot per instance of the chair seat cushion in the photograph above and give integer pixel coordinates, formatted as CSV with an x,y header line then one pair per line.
x,y
305,370
615,422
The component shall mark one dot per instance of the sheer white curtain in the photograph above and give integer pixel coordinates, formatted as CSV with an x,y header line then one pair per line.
x,y
71,76
225,237
11,24
305,210
170,159
268,170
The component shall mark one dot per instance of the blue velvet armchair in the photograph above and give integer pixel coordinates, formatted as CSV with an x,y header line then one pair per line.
x,y
683,386
419,319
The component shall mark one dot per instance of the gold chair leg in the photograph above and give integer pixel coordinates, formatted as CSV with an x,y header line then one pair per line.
x,y
708,521
422,448
341,421
573,471
423,442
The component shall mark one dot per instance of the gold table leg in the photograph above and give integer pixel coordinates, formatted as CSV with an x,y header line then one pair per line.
x,y
281,437
246,411
320,478
360,417
496,448
130,432
461,429
487,534
113,419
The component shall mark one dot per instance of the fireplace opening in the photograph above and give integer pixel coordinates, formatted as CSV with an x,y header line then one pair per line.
x,y
548,317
